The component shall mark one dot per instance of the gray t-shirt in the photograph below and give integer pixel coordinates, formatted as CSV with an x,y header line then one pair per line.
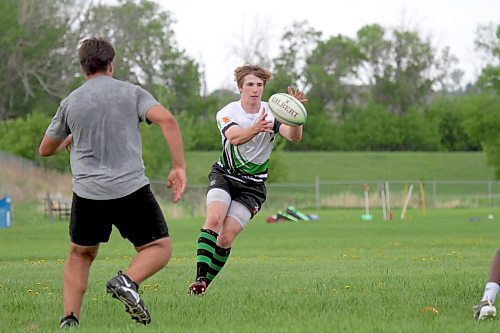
x,y
106,154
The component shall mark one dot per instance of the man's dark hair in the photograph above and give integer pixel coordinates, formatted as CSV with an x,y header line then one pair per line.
x,y
95,54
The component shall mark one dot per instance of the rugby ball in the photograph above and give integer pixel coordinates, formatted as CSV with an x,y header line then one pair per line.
x,y
287,109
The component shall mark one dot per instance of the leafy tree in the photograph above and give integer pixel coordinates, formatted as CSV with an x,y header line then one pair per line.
x,y
331,71
483,118
147,53
402,68
22,135
370,128
450,113
482,124
418,132
296,46
488,42
34,54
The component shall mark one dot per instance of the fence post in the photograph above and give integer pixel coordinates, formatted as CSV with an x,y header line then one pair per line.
x,y
49,207
317,193
434,194
490,193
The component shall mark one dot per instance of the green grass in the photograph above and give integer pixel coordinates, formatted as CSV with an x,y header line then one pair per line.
x,y
335,274
304,167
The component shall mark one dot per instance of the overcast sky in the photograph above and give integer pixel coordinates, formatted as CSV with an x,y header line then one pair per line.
x,y
210,30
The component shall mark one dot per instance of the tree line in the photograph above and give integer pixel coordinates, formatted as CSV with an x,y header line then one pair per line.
x,y
382,90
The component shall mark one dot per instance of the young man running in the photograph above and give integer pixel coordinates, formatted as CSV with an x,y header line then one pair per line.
x,y
99,123
236,189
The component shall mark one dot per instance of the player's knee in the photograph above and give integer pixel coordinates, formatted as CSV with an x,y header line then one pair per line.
x,y
83,253
164,248
226,239
213,222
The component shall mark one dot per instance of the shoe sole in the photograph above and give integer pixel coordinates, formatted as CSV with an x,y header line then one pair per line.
x,y
137,312
198,290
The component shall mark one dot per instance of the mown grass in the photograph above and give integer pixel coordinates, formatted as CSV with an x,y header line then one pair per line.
x,y
335,274
304,167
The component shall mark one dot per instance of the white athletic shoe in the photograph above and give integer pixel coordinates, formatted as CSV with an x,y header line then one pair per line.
x,y
484,310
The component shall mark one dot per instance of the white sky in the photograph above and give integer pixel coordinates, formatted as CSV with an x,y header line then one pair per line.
x,y
209,31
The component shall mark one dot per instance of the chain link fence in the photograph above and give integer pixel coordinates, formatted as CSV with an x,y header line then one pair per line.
x,y
351,194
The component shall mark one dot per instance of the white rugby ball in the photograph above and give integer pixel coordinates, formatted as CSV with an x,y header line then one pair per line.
x,y
287,109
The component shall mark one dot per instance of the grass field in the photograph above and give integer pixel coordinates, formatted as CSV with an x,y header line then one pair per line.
x,y
304,167
338,274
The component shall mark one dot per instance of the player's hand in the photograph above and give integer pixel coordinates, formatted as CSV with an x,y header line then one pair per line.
x,y
177,182
263,125
298,94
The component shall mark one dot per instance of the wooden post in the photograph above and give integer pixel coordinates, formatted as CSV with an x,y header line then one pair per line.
x,y
48,200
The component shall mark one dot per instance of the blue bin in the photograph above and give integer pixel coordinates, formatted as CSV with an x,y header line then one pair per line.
x,y
5,212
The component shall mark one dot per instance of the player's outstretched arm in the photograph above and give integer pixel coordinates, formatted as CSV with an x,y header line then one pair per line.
x,y
172,134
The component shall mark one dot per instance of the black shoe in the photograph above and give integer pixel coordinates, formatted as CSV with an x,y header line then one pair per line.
x,y
198,287
69,321
125,290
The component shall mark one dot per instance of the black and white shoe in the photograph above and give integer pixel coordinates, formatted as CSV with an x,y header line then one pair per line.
x,y
69,321
484,310
126,291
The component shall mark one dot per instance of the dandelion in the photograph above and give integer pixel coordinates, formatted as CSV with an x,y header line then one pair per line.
x,y
430,309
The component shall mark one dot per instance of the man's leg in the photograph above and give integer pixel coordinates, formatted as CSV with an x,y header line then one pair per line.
x,y
217,206
150,258
486,309
230,230
213,250
75,276
495,269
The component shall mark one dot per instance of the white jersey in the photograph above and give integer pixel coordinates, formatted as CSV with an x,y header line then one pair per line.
x,y
250,160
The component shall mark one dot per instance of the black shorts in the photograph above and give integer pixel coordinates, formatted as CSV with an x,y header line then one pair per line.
x,y
251,194
137,217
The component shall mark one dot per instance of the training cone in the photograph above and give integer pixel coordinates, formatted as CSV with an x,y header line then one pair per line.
x,y
366,217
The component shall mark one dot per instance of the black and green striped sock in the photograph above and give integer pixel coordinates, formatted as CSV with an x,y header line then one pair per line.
x,y
210,257
219,260
204,252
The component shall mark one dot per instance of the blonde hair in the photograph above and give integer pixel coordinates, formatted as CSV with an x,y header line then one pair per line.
x,y
258,71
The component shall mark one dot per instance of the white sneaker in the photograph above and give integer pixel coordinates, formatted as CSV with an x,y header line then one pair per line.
x,y
484,310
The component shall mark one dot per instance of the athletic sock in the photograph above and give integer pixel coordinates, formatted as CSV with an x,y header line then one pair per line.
x,y
205,252
490,291
218,261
